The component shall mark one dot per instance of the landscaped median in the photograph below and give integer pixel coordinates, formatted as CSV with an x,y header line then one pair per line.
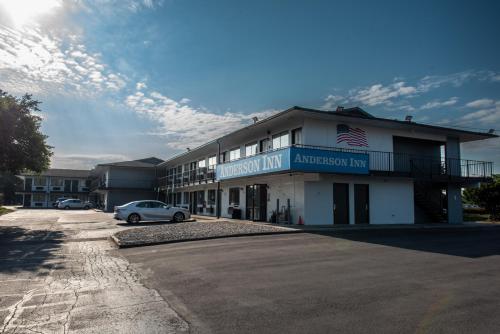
x,y
190,231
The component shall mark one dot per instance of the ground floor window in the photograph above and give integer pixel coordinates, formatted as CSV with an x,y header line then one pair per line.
x,y
234,196
185,196
38,197
211,197
178,198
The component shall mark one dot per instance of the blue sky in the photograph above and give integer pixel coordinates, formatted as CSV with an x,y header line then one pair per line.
x,y
129,79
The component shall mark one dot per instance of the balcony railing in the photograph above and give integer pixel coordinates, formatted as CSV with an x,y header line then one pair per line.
x,y
187,178
418,166
380,163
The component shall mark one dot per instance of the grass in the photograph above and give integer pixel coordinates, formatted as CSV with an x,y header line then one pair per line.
x,y
4,211
476,217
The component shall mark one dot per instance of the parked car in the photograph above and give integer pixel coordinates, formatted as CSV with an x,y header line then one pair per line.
x,y
59,200
74,204
137,211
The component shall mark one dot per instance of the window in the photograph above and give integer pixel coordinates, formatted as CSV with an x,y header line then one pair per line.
x,y
212,161
297,136
280,140
234,154
39,181
185,196
265,145
38,197
250,149
178,198
234,196
56,182
202,163
200,197
150,205
211,197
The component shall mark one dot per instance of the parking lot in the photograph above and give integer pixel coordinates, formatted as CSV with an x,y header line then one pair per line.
x,y
348,282
59,274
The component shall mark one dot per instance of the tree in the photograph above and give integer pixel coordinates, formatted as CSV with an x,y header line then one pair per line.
x,y
22,145
486,196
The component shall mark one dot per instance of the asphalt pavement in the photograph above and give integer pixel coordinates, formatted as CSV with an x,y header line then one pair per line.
x,y
59,274
344,282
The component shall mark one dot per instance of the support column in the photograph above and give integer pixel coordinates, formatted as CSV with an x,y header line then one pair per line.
x,y
453,190
455,210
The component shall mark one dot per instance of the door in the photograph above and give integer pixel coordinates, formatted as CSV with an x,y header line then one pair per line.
x,y
74,186
256,202
193,202
361,204
67,186
27,200
340,203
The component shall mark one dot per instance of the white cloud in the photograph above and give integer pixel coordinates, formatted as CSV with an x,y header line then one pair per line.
x,y
379,94
140,85
35,61
185,125
490,114
481,103
440,104
84,161
332,102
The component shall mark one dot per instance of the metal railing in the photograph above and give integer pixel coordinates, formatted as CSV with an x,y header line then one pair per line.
x,y
388,163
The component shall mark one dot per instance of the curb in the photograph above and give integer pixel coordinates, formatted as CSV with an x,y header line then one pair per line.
x,y
153,243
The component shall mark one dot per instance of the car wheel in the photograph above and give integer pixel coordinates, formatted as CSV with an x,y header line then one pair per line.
x,y
86,207
178,217
66,208
134,218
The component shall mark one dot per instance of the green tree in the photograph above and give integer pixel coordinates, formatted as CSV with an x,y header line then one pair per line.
x,y
486,196
22,145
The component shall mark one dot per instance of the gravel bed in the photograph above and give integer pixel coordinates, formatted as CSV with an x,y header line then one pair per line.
x,y
188,231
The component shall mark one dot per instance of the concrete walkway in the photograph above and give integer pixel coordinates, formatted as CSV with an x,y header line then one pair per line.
x,y
362,227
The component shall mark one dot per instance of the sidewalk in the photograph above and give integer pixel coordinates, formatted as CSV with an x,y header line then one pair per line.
x,y
363,227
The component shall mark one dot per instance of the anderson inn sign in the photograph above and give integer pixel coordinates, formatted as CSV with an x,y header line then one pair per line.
x,y
297,159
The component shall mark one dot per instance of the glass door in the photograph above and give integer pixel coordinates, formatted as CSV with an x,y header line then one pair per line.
x,y
256,202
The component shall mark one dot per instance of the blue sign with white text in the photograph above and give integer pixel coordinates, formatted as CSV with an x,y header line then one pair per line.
x,y
295,159
264,163
327,161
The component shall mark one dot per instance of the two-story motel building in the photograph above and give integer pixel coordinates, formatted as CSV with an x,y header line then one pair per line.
x,y
317,167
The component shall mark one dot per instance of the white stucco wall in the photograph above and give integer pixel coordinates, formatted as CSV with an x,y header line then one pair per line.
x,y
390,200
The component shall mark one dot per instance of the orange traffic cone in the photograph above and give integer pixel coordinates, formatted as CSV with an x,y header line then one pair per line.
x,y
301,222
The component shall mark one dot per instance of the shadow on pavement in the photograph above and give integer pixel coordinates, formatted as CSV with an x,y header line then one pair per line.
x,y
471,244
27,250
147,223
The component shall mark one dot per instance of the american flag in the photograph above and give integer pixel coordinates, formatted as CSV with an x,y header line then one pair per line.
x,y
351,136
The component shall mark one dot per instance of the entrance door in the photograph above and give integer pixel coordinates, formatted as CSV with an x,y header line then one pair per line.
x,y
27,200
340,203
256,202
361,204
193,202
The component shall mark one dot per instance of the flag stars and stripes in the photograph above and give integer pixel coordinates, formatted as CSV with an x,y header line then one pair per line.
x,y
351,136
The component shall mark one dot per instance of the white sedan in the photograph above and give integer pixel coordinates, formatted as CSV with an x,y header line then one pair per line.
x,y
137,211
73,203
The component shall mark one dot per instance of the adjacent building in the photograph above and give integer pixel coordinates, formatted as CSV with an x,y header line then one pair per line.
x,y
42,190
327,167
118,183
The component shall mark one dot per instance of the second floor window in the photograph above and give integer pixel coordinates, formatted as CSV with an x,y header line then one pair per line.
x,y
265,145
280,140
250,149
234,154
202,163
212,161
39,181
297,136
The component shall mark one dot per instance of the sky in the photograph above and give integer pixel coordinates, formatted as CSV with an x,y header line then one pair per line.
x,y
128,79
